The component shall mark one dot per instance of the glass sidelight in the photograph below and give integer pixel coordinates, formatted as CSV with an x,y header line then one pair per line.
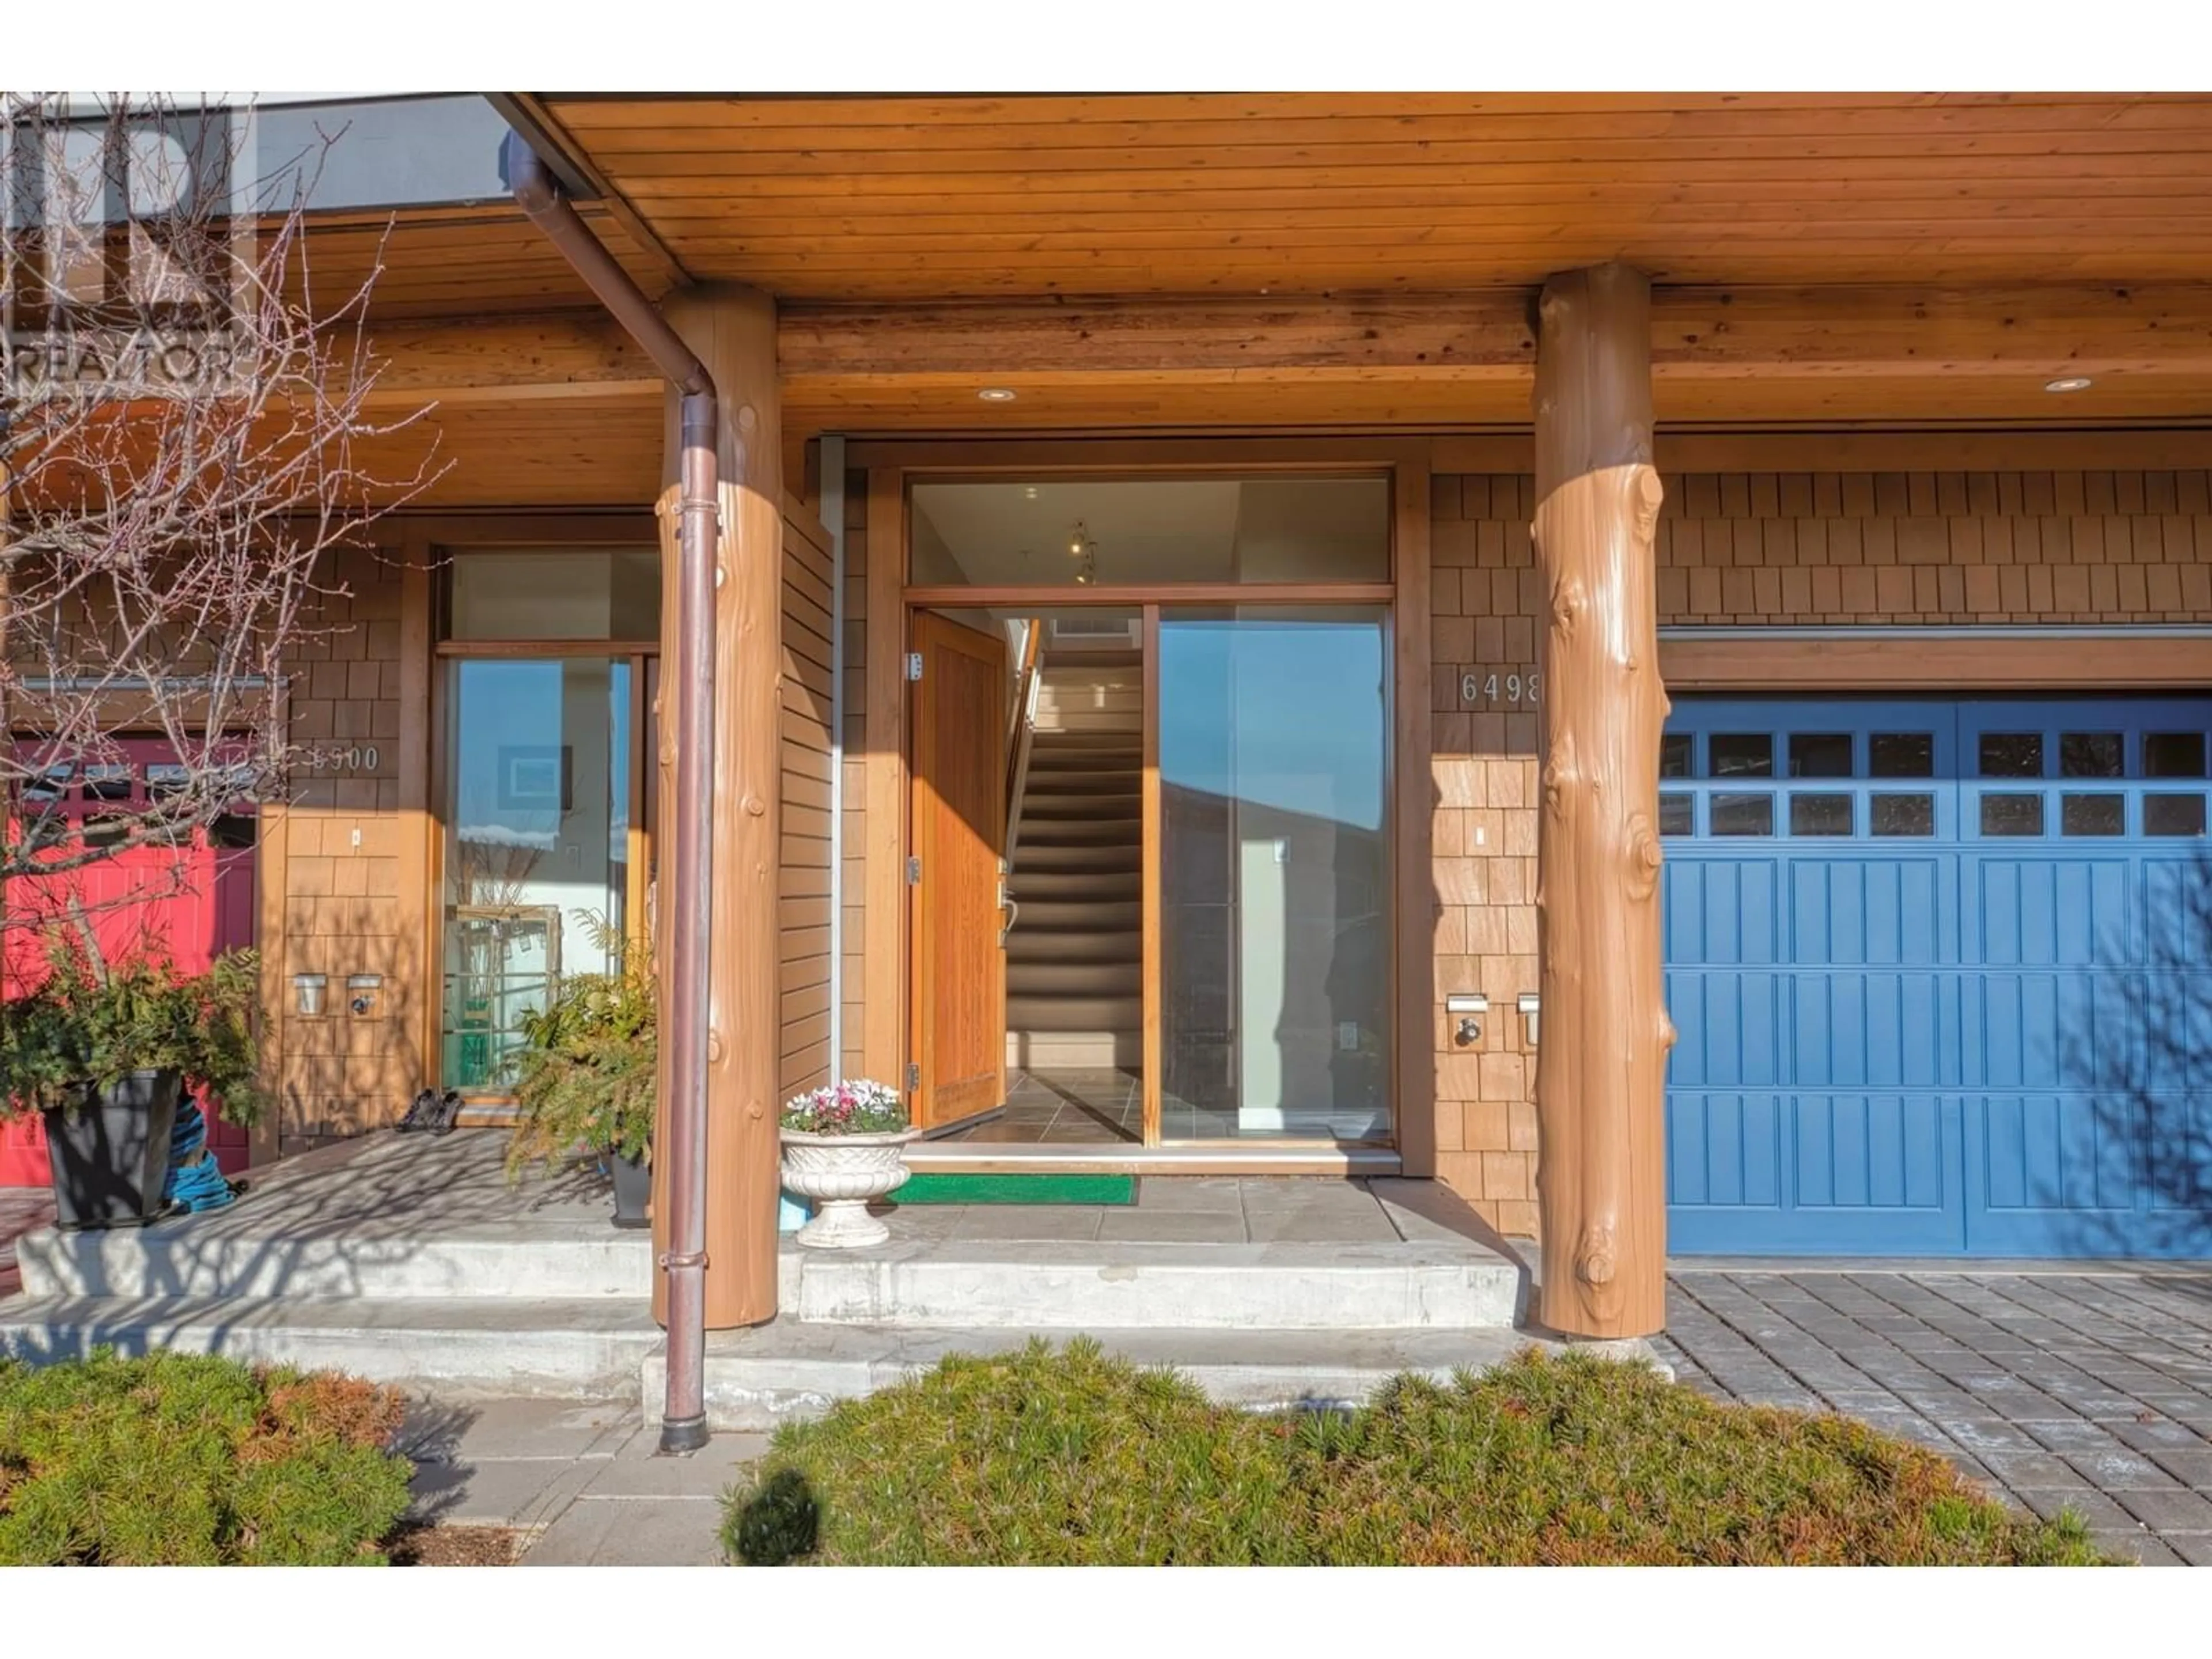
x,y
1275,873
537,845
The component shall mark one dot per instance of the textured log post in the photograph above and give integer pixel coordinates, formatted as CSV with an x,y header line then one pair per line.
x,y
1601,1056
732,329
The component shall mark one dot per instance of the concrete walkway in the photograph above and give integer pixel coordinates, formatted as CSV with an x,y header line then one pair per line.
x,y
2089,1389
579,1482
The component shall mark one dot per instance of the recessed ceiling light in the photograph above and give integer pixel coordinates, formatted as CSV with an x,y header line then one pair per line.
x,y
997,394
2069,383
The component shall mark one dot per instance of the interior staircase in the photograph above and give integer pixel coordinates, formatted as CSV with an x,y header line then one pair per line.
x,y
1074,959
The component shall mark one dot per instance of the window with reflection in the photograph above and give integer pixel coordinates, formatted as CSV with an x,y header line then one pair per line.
x,y
1275,923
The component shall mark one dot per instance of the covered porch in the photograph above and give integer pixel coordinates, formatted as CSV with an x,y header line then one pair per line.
x,y
416,1260
1844,398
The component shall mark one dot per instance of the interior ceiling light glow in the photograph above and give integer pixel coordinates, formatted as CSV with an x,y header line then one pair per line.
x,y
997,394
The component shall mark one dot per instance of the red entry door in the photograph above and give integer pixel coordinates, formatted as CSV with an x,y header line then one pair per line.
x,y
194,902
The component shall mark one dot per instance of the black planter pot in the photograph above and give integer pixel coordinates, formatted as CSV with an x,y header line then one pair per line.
x,y
110,1156
633,1190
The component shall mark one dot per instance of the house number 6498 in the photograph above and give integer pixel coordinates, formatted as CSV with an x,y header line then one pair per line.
x,y
1494,687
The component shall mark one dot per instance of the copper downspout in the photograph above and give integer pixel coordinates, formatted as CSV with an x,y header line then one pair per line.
x,y
684,1417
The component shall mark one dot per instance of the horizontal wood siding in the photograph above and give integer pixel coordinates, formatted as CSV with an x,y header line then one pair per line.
x,y
803,926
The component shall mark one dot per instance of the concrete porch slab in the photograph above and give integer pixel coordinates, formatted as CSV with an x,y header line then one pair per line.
x,y
791,1371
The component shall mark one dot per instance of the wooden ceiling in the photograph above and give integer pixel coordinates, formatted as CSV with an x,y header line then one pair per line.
x,y
885,199
1200,263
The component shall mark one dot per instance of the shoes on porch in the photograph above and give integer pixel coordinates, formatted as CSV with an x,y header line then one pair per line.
x,y
421,1114
447,1118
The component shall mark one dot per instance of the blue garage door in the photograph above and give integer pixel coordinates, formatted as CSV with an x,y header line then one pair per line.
x,y
1942,974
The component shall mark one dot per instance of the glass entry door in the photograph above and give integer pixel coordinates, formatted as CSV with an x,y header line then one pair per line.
x,y
1274,885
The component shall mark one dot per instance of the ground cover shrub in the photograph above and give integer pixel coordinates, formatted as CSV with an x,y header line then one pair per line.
x,y
1067,1459
173,1459
1042,1457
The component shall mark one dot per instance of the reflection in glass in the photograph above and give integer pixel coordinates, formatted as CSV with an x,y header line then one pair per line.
x,y
2012,815
1902,815
2092,815
2173,815
1741,755
1674,755
537,845
1819,754
570,595
1819,815
2173,754
1275,898
1902,754
1742,815
1675,816
2090,755
2012,754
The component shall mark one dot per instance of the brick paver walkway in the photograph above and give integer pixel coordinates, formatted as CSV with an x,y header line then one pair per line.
x,y
2092,1389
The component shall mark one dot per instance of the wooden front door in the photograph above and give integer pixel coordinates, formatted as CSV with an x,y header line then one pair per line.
x,y
958,1017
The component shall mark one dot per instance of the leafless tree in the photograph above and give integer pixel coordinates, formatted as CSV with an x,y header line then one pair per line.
x,y
187,434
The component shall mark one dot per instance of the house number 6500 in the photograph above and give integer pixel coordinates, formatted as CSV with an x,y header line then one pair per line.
x,y
1495,688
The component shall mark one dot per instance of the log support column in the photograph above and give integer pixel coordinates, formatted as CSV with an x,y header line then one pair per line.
x,y
1601,1060
732,331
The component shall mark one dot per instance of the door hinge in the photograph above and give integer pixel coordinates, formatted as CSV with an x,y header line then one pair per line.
x,y
912,1075
914,872
914,666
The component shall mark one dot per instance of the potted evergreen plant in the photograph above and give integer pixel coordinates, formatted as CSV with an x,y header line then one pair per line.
x,y
105,1052
585,1078
844,1144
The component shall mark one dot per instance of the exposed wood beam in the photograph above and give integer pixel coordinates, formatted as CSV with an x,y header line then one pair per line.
x,y
1695,333
493,360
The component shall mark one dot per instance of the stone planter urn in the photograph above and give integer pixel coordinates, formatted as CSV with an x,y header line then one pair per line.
x,y
841,1174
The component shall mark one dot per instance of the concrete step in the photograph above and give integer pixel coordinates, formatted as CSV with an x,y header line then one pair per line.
x,y
1089,829
1047,916
1079,886
224,1255
1117,856
1065,943
1042,806
1080,1050
579,1348
1031,979
759,1378
1053,1013
1069,1286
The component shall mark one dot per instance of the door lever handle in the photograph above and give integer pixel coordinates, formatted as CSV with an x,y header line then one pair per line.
x,y
1010,911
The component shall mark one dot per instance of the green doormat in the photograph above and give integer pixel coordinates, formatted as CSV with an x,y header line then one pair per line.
x,y
951,1188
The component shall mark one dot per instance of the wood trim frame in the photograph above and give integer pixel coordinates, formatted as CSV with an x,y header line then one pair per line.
x,y
1412,880
1907,659
890,465
1151,956
419,852
264,1141
883,987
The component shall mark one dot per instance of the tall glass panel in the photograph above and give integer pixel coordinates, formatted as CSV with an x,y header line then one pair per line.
x,y
536,846
1275,895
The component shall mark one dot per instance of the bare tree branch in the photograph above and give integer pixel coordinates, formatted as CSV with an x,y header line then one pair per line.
x,y
183,428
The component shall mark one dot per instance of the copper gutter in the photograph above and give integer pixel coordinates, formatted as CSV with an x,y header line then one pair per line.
x,y
684,1417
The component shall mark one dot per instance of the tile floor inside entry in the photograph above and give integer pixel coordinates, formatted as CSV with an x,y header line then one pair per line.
x,y
1104,1106
2054,1387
